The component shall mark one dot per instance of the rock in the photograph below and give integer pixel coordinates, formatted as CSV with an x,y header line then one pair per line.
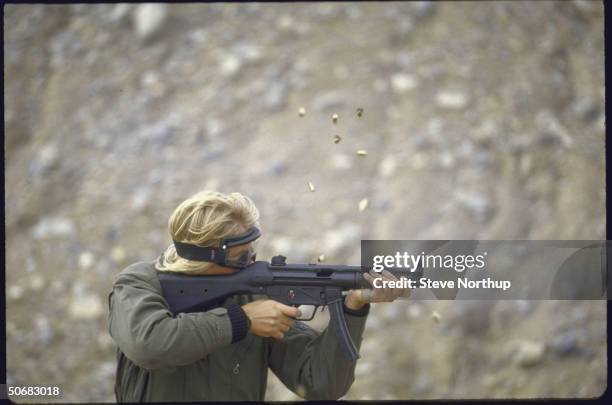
x,y
404,59
552,131
43,329
37,282
15,292
247,51
161,133
585,5
86,306
214,128
149,19
44,161
151,81
435,127
423,384
86,260
119,12
30,265
229,65
327,11
112,233
51,227
414,310
447,159
140,199
198,36
402,83
363,368
476,204
423,9
451,100
353,12
565,344
529,353
387,166
470,317
483,158
328,101
277,96
401,31
273,167
118,254
586,110
392,313
285,23
65,45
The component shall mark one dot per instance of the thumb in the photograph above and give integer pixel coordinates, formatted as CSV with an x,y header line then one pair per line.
x,y
290,311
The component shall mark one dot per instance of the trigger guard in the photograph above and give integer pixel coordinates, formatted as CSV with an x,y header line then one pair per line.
x,y
314,312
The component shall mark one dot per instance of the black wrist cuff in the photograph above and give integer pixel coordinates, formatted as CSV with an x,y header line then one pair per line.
x,y
363,311
240,322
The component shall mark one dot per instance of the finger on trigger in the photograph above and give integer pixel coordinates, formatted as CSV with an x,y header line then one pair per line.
x,y
292,312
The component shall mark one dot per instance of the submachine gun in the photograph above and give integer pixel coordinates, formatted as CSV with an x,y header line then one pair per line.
x,y
291,284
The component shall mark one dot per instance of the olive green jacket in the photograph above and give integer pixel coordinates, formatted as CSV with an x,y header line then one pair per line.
x,y
190,357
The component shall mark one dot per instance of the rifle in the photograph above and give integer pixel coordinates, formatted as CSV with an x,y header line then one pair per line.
x,y
290,284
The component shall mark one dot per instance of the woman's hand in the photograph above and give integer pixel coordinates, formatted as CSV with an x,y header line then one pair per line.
x,y
356,299
270,318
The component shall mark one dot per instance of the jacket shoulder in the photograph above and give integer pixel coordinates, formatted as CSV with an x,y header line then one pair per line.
x,y
141,272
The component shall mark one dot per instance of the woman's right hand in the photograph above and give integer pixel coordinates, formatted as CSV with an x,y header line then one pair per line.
x,y
270,318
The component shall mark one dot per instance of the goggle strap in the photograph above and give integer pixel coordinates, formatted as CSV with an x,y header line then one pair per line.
x,y
213,254
199,253
246,237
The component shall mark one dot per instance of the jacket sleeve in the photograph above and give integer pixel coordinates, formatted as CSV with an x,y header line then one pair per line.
x,y
312,364
145,330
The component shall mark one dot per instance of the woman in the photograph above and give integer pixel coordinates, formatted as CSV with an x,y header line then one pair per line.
x,y
223,353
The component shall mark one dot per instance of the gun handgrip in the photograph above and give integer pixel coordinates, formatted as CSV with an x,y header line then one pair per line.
x,y
339,324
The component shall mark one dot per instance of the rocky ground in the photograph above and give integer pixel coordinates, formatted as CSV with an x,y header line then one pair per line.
x,y
479,121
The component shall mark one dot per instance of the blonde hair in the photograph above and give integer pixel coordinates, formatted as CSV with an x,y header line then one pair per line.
x,y
205,219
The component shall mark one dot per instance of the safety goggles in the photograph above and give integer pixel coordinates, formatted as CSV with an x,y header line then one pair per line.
x,y
219,255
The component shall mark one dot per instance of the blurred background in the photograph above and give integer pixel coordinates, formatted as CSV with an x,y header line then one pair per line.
x,y
480,121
